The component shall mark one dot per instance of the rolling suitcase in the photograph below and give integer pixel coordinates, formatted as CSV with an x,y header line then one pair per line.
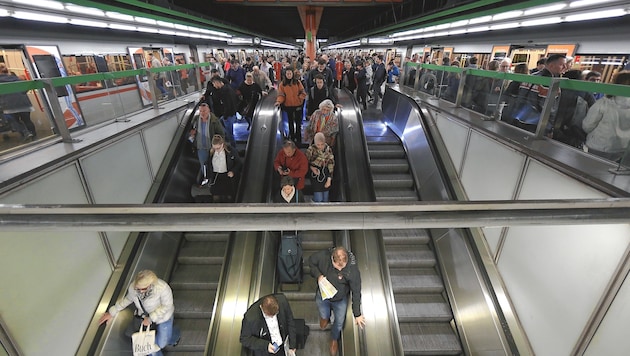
x,y
290,259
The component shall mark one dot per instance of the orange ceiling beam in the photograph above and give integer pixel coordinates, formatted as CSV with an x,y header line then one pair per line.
x,y
311,18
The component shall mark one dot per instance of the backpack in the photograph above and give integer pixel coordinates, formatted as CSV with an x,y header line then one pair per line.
x,y
290,259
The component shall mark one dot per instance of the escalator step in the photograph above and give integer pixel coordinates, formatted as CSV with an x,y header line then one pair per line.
x,y
429,339
387,139
415,236
386,152
396,195
305,309
207,236
415,280
422,308
194,303
202,252
194,334
195,277
396,165
409,256
392,181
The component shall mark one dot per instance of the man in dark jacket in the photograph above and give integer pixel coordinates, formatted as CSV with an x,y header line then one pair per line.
x,y
380,74
229,105
16,106
322,70
267,322
339,267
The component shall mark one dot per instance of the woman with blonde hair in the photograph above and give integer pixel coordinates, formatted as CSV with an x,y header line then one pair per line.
x,y
153,299
325,121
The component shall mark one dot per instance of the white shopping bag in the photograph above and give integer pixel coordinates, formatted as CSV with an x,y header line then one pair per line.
x,y
143,342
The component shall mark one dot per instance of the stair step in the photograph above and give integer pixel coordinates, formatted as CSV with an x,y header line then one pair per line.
x,y
409,256
396,195
195,277
390,151
406,236
398,165
194,334
194,303
422,308
415,280
429,339
202,252
392,181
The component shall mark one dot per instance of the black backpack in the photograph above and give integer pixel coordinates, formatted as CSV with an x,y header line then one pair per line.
x,y
290,259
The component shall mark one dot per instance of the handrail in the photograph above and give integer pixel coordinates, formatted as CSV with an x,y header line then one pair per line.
x,y
26,85
611,89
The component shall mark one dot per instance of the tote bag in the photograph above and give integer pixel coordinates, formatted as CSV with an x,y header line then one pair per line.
x,y
143,342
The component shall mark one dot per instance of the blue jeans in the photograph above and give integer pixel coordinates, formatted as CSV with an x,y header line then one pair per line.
x,y
159,83
203,155
228,124
321,197
339,310
165,335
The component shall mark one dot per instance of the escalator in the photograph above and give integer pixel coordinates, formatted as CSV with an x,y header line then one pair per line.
x,y
195,264
302,298
424,314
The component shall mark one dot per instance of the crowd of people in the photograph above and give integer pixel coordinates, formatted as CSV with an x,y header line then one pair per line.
x,y
597,123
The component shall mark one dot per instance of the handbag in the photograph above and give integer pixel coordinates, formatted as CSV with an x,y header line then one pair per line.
x,y
525,112
143,342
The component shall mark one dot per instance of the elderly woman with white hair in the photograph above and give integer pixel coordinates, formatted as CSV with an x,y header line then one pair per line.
x,y
322,165
325,121
153,299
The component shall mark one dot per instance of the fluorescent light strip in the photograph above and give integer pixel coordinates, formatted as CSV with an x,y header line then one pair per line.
x,y
167,32
88,23
119,16
457,32
117,26
85,10
165,24
181,27
505,26
479,20
459,23
582,3
148,29
35,16
41,3
479,29
596,15
539,22
507,15
145,20
544,9
4,13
